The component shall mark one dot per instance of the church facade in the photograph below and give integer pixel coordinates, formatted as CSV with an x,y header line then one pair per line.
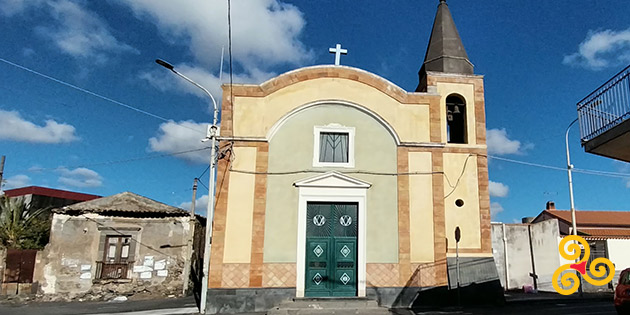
x,y
336,182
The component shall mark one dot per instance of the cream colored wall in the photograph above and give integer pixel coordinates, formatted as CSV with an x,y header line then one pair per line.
x,y
466,90
291,149
411,122
421,207
240,208
466,217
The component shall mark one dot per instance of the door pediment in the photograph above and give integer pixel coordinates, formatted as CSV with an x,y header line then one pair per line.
x,y
332,179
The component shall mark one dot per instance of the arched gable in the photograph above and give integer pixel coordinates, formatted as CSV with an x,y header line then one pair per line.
x,y
258,110
380,120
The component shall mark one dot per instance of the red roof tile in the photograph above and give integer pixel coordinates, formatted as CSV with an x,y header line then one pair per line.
x,y
593,218
49,192
605,233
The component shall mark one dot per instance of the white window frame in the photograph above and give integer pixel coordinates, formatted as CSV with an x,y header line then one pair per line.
x,y
335,128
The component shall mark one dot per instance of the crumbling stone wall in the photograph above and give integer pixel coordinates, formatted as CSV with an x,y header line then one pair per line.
x,y
68,266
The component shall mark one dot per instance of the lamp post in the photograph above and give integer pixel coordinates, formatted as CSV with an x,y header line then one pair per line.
x,y
569,168
213,131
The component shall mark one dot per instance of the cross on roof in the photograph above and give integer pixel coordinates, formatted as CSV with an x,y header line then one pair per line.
x,y
338,52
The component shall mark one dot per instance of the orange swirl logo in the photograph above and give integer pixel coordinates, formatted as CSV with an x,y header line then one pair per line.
x,y
570,280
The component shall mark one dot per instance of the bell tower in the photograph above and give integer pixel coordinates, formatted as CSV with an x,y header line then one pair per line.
x,y
445,52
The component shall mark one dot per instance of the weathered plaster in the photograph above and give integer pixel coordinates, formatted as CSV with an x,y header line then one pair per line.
x,y
74,242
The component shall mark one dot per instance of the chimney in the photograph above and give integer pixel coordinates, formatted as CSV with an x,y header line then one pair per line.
x,y
551,205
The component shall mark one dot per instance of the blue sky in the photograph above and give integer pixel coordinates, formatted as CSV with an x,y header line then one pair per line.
x,y
539,59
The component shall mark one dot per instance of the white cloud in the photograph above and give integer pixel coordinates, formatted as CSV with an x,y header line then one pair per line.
x,y
79,177
602,49
28,52
498,189
16,181
81,33
201,205
181,136
167,81
16,128
12,7
623,167
499,143
263,31
495,209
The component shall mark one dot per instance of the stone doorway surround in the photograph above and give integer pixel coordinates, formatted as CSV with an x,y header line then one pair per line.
x,y
331,187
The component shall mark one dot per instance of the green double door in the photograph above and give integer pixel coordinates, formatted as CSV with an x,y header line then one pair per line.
x,y
331,249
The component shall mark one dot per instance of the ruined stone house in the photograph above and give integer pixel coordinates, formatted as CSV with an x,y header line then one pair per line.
x,y
118,245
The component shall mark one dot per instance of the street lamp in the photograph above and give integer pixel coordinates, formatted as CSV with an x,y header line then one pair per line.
x,y
569,168
213,131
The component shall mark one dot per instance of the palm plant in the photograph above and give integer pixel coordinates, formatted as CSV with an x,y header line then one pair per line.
x,y
21,226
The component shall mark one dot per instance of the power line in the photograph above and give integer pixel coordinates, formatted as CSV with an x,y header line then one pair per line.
x,y
527,163
94,94
577,170
132,237
149,157
204,172
202,184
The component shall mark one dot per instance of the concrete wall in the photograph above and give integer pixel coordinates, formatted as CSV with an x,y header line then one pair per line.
x,y
544,243
619,254
68,264
545,238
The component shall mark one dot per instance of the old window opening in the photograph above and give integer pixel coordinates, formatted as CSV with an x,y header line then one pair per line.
x,y
116,258
455,119
117,249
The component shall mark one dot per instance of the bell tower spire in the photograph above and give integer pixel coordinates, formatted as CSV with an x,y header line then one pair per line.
x,y
445,52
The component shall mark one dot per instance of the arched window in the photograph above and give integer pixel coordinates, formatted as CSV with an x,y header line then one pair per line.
x,y
455,119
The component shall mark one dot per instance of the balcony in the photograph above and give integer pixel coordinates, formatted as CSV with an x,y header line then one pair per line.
x,y
112,271
604,118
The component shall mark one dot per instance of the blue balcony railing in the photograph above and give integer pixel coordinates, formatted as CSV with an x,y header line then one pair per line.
x,y
606,107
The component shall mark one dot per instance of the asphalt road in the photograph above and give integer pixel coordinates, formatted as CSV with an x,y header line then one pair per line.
x,y
77,308
537,308
185,305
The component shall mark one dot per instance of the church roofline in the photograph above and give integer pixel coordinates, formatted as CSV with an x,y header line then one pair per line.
x,y
326,71
454,75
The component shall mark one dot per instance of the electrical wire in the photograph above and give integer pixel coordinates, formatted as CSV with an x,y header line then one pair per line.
x,y
149,157
527,163
202,184
204,172
453,187
94,94
459,178
576,170
133,238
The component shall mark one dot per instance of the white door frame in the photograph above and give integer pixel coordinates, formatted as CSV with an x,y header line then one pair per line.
x,y
331,187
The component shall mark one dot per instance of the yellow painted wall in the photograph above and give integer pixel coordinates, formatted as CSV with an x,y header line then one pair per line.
x,y
411,122
421,207
240,208
467,216
291,149
466,90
